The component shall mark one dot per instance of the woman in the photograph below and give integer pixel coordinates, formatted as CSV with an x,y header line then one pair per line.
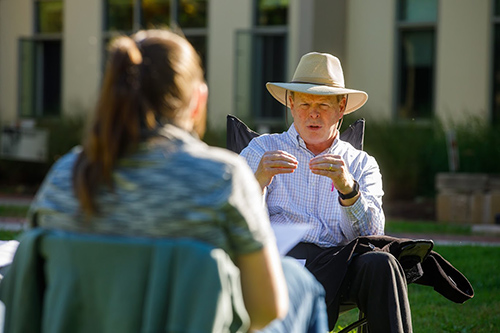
x,y
143,170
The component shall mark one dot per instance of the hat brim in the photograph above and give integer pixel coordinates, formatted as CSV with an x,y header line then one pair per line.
x,y
357,98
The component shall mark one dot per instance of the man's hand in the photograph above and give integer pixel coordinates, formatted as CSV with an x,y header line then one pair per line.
x,y
334,167
273,163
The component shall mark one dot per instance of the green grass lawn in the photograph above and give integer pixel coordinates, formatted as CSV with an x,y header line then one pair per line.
x,y
13,211
9,234
432,312
426,227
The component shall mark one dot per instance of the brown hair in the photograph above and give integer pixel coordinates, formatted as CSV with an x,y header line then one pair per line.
x,y
148,81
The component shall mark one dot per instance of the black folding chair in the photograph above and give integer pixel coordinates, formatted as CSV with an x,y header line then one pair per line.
x,y
239,136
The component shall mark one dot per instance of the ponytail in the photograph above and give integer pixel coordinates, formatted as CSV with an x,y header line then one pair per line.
x,y
116,127
148,80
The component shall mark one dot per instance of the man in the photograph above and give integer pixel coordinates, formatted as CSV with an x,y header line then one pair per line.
x,y
310,176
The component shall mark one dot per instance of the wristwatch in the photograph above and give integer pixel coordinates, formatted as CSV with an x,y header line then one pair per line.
x,y
352,194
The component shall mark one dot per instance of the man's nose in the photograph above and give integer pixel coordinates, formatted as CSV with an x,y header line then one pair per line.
x,y
314,112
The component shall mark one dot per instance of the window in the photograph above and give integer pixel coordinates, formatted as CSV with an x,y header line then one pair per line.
x,y
416,58
119,15
129,16
263,49
40,63
272,12
495,116
269,66
270,42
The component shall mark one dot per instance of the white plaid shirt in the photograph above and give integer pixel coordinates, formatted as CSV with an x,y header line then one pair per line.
x,y
303,197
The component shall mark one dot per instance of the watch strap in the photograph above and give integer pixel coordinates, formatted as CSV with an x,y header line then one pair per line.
x,y
352,194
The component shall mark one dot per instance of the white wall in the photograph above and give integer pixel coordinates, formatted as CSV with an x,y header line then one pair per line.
x,y
463,59
225,17
300,30
315,26
369,64
330,23
82,53
16,20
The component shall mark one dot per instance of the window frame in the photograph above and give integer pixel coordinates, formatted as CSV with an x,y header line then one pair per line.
x,y
402,27
264,123
38,38
36,20
137,25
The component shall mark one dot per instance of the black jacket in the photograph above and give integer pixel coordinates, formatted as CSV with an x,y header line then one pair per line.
x,y
421,265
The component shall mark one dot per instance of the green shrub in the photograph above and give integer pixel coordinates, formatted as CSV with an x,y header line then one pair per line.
x,y
479,146
215,137
410,154
64,133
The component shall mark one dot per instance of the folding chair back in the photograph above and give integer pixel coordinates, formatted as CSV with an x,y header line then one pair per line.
x,y
239,134
68,282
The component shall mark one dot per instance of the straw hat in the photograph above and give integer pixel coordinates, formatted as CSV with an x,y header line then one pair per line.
x,y
319,74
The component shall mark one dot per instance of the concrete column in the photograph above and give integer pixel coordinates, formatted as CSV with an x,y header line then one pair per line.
x,y
300,32
369,63
82,55
330,27
463,59
16,21
225,17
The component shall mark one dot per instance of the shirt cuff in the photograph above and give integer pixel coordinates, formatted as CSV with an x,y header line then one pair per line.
x,y
354,215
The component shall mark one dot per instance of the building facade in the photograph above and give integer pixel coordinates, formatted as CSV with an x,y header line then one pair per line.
x,y
416,59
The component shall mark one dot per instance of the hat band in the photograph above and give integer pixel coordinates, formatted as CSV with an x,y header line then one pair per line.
x,y
333,85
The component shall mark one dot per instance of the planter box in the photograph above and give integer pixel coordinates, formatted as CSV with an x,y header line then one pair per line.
x,y
468,198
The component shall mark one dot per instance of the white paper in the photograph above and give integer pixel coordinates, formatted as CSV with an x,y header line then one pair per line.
x,y
7,251
287,236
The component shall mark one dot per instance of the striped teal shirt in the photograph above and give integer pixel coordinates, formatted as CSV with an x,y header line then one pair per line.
x,y
174,186
305,198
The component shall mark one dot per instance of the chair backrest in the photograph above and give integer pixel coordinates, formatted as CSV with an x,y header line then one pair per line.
x,y
239,134
67,282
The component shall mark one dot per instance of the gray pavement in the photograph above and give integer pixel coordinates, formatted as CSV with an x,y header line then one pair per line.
x,y
15,200
460,240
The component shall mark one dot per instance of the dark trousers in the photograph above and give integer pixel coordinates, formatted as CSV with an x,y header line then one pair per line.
x,y
374,281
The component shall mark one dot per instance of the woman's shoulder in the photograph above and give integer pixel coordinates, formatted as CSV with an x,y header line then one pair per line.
x,y
224,159
65,163
193,161
68,158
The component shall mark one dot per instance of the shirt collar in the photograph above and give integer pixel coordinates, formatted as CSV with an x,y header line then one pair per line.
x,y
294,137
296,140
173,132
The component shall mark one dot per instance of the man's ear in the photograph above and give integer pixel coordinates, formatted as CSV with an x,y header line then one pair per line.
x,y
342,105
290,101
